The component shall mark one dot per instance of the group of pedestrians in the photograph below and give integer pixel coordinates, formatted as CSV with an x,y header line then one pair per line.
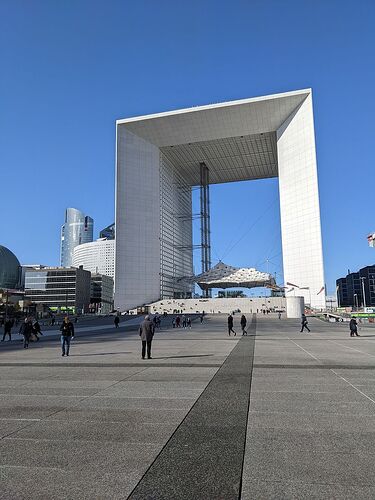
x,y
243,323
181,322
353,326
29,330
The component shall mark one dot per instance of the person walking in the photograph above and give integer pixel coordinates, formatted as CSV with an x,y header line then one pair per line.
x,y
230,325
146,332
178,322
36,329
279,315
188,322
157,320
353,328
67,334
183,321
304,323
7,330
117,321
243,322
26,330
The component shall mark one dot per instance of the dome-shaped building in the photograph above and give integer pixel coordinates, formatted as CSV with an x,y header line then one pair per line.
x,y
10,269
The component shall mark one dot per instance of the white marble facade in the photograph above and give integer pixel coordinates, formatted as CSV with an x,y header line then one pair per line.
x,y
157,163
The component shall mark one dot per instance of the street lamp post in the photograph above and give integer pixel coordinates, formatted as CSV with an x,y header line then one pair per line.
x,y
355,301
362,278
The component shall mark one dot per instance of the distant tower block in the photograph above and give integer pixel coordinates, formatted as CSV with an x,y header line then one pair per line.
x,y
159,160
77,229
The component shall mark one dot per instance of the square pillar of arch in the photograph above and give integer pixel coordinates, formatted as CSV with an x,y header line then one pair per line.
x,y
158,162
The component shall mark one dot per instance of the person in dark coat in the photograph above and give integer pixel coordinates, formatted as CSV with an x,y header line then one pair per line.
x,y
67,334
117,321
146,332
7,330
26,330
243,322
304,323
353,328
37,330
230,325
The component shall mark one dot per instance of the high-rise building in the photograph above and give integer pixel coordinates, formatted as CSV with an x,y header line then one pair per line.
x,y
59,288
77,229
97,256
108,232
101,301
350,289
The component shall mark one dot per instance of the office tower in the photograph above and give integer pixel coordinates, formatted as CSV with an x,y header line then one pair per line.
x,y
108,232
77,229
97,256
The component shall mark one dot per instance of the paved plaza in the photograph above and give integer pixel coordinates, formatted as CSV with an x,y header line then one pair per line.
x,y
277,414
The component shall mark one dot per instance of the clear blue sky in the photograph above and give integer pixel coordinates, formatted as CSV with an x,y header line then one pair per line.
x,y
70,69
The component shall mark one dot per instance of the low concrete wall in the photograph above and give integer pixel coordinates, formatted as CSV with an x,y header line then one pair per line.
x,y
226,305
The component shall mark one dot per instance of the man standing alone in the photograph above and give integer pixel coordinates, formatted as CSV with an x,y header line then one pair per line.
x,y
67,334
146,332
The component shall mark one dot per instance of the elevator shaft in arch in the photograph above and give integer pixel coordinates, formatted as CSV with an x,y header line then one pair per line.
x,y
205,220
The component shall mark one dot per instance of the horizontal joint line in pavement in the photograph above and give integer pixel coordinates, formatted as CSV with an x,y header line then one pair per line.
x,y
313,367
115,365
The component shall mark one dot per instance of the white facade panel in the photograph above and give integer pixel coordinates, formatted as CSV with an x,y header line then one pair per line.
x,y
299,205
137,260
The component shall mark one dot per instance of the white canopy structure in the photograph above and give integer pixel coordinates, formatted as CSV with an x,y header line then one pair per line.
x,y
224,276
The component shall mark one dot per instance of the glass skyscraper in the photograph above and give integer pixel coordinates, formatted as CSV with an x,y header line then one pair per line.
x,y
108,232
78,229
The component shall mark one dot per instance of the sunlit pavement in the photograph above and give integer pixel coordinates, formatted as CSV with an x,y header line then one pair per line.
x,y
276,414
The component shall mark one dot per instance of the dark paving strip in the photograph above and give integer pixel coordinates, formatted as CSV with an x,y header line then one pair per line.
x,y
318,367
204,457
116,365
